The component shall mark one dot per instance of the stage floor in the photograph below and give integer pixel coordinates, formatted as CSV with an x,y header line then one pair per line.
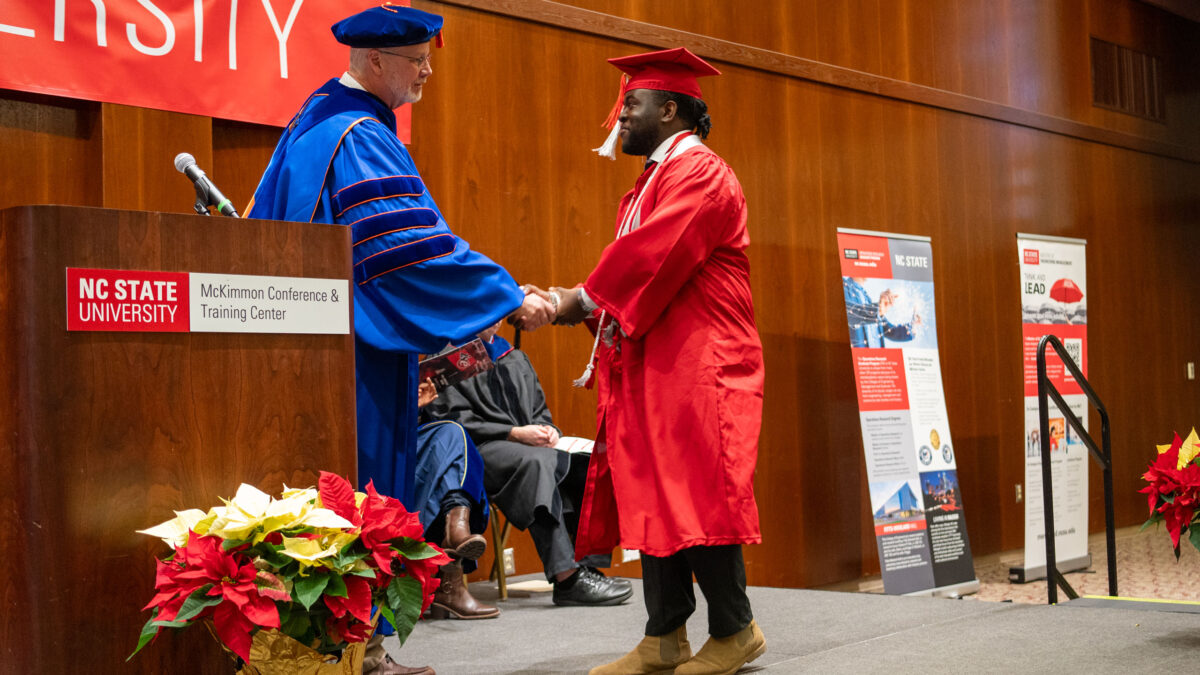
x,y
811,631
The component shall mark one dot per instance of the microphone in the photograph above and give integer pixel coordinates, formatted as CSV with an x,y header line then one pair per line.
x,y
207,194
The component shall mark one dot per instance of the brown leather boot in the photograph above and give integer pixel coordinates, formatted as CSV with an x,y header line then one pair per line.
x,y
453,600
459,542
725,656
654,654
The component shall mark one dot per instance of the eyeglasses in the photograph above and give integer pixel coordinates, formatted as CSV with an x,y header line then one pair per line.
x,y
418,62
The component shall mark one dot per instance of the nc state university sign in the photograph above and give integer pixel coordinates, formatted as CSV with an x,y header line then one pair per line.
x,y
247,60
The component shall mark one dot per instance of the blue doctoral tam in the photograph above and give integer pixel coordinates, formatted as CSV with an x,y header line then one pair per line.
x,y
388,26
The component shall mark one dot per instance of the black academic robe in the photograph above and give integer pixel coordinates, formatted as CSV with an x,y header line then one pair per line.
x,y
521,479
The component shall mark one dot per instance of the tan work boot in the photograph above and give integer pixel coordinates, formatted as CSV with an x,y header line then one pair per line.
x,y
725,656
654,654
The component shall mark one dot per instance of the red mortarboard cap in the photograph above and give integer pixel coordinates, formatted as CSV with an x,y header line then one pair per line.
x,y
672,70
668,70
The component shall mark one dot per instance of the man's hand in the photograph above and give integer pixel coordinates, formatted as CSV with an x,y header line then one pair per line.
x,y
570,308
426,393
533,313
537,435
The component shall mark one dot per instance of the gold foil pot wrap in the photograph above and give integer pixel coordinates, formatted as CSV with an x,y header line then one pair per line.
x,y
273,653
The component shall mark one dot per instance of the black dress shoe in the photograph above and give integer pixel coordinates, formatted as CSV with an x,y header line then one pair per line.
x,y
589,588
624,583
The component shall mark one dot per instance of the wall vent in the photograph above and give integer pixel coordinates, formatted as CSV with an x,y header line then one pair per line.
x,y
1127,81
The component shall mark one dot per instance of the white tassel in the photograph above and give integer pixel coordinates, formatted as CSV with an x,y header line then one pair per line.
x,y
609,149
585,378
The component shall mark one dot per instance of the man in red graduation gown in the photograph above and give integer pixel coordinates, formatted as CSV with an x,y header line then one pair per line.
x,y
680,375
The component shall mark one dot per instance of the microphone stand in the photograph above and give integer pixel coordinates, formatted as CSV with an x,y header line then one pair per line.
x,y
201,205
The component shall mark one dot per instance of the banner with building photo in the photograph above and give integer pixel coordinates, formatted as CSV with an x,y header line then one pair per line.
x,y
1054,302
916,502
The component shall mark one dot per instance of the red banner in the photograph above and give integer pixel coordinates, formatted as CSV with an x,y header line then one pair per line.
x,y
247,60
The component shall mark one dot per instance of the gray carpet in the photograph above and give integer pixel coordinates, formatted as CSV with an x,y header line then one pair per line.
x,y
824,632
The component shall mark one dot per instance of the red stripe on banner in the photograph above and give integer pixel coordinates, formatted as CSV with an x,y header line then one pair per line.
x,y
899,528
1073,337
205,57
127,301
864,256
879,377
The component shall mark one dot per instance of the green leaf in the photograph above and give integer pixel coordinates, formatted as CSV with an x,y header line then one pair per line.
x,y
308,589
404,596
148,632
276,559
365,572
346,557
298,627
413,549
1194,537
336,587
196,602
387,614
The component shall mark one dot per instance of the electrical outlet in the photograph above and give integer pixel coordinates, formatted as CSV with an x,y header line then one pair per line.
x,y
1020,495
629,556
510,564
1191,370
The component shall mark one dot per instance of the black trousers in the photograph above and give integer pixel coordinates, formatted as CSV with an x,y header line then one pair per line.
x,y
670,600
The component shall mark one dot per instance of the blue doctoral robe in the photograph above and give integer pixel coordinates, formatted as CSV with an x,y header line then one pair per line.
x,y
417,286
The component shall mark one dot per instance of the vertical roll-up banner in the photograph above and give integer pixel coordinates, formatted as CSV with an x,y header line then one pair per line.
x,y
1054,302
916,503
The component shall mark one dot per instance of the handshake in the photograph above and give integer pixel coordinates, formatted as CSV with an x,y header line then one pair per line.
x,y
562,306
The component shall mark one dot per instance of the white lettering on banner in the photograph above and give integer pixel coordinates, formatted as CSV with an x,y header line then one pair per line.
x,y
167,45
60,20
16,30
912,261
198,17
233,34
282,36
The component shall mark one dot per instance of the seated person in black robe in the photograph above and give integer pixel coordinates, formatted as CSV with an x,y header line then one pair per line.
x,y
504,410
452,505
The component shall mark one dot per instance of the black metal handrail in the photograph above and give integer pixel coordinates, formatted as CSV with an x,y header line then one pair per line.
x,y
1046,389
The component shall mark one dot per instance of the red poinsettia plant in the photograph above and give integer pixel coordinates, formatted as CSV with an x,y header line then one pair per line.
x,y
1174,489
310,564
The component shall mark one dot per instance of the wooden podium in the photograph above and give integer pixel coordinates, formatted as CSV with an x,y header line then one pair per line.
x,y
105,433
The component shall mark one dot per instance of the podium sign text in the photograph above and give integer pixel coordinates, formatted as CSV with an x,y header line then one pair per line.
x,y
179,302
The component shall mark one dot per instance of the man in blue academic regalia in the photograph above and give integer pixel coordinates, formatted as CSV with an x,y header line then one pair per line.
x,y
417,286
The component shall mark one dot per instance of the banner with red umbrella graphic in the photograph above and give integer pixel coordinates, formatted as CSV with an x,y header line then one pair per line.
x,y
1066,290
1053,302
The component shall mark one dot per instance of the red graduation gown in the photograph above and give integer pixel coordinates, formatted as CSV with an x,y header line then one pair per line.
x,y
680,393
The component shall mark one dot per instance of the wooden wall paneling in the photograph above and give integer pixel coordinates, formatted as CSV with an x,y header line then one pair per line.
x,y
967,64
49,151
138,151
241,152
791,276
